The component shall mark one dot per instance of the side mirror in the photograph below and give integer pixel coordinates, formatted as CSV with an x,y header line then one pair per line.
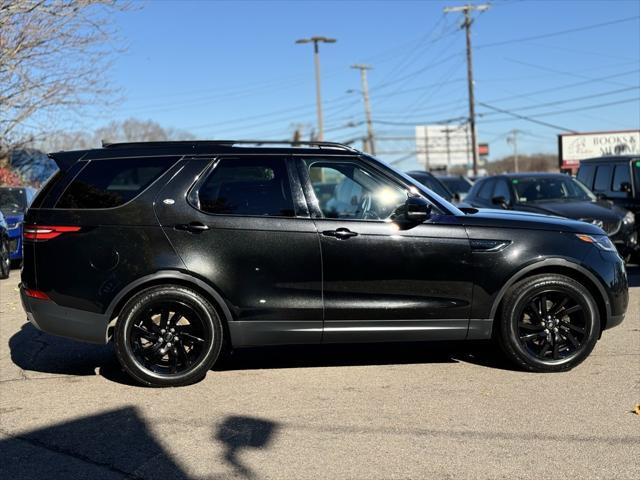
x,y
413,212
625,187
501,201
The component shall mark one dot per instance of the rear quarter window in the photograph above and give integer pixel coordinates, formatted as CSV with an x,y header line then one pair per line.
x,y
585,175
112,183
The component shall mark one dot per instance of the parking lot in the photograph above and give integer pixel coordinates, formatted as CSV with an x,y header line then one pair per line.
x,y
370,411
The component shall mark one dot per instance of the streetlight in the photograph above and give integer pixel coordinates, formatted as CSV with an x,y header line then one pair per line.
x,y
316,56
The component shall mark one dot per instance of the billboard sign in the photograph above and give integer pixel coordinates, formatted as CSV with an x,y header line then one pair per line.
x,y
443,146
579,146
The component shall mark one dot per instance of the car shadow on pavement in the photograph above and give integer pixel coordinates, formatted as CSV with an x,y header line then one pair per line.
x,y
119,444
36,351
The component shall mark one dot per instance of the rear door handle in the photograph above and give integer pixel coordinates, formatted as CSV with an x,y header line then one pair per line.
x,y
193,227
340,233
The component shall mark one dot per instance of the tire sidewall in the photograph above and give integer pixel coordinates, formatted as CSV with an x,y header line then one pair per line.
x,y
141,301
514,309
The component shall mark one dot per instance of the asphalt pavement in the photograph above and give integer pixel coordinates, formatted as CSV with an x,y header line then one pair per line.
x,y
412,411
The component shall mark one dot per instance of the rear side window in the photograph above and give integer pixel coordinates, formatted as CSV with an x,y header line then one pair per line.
x,y
111,183
602,182
247,186
586,173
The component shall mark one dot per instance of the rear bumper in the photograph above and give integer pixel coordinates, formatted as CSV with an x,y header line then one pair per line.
x,y
52,318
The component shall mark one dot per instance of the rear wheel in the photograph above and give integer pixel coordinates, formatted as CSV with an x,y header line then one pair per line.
x,y
168,336
5,261
549,323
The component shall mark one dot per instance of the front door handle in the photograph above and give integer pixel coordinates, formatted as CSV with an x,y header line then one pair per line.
x,y
193,227
340,233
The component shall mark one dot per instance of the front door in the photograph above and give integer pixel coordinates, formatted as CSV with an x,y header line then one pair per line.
x,y
244,228
381,283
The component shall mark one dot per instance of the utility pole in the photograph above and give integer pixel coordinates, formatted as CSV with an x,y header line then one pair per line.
x,y
467,9
316,57
447,135
367,105
513,140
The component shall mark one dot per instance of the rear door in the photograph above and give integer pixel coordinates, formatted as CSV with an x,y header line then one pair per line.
x,y
244,228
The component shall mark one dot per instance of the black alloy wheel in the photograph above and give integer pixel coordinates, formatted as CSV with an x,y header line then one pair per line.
x,y
168,336
549,323
552,325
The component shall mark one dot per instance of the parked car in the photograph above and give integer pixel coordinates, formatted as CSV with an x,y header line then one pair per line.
x,y
176,250
433,183
556,194
458,184
5,261
14,202
616,179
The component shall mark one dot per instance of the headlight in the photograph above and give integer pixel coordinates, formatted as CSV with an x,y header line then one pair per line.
x,y
629,218
600,241
12,225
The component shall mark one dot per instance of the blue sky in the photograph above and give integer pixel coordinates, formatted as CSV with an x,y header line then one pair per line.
x,y
232,69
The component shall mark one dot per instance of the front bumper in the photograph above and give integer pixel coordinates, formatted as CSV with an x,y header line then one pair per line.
x,y
15,243
626,240
52,318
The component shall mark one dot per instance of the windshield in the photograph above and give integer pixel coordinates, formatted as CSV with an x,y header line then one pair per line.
x,y
459,185
13,201
551,188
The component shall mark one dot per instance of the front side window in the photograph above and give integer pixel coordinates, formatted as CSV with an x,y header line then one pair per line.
x,y
621,175
111,183
346,190
502,190
247,186
486,189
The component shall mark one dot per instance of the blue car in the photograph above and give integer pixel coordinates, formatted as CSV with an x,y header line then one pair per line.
x,y
14,202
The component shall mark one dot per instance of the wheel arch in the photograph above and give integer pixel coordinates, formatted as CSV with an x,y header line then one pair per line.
x,y
169,277
562,267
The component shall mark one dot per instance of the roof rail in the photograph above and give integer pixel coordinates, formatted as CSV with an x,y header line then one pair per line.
x,y
229,143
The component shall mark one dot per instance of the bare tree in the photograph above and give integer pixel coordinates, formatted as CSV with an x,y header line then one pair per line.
x,y
130,130
53,58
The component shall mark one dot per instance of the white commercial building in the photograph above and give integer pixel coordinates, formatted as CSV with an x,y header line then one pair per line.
x,y
440,147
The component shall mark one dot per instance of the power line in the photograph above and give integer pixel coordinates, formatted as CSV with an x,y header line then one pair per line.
x,y
561,32
569,100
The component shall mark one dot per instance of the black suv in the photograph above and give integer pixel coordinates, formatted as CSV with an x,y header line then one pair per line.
x,y
180,250
557,194
616,179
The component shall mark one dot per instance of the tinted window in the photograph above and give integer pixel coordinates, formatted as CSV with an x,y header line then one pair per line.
x,y
486,189
246,186
13,200
621,175
433,184
550,188
602,182
586,173
111,183
458,185
348,191
502,190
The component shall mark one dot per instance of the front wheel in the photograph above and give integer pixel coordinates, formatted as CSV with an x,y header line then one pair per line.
x,y
550,323
5,261
168,336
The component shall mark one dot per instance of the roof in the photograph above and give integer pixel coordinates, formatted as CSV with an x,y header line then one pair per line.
x,y
611,158
526,175
199,147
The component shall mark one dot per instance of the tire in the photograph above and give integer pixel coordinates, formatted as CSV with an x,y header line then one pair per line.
x,y
5,262
16,264
549,323
168,336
